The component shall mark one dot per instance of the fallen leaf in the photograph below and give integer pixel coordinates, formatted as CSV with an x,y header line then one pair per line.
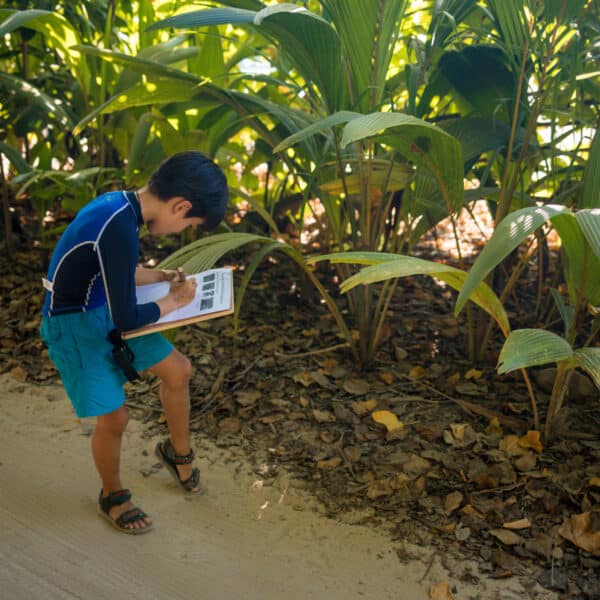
x,y
494,428
594,482
440,591
320,378
510,565
417,372
230,425
247,398
400,353
357,387
387,377
473,374
584,531
352,453
329,463
458,431
364,407
452,502
304,378
453,379
389,419
518,524
510,538
323,416
162,418
19,373
510,445
531,440
527,462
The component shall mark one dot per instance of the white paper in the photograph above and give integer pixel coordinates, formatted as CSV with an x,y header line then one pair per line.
x,y
213,294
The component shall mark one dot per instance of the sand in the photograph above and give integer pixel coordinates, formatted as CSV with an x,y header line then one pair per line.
x,y
242,539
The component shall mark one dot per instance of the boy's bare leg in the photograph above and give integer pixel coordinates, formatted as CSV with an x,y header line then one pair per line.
x,y
106,449
175,373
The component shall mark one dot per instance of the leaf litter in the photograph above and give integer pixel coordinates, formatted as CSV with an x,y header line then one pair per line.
x,y
420,443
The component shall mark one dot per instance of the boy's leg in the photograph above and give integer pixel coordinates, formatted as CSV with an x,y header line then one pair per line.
x,y
175,372
106,448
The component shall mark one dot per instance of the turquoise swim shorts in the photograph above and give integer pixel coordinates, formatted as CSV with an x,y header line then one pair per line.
x,y
78,345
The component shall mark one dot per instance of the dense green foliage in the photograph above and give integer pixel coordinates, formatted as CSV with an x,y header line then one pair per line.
x,y
358,119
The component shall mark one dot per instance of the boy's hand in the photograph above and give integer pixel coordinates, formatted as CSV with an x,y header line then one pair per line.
x,y
173,275
183,293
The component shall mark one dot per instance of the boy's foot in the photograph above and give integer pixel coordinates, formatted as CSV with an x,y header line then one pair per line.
x,y
117,509
180,466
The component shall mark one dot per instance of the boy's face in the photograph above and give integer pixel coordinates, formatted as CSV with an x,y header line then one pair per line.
x,y
171,217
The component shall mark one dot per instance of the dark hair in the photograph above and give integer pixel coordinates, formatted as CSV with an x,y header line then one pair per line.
x,y
198,179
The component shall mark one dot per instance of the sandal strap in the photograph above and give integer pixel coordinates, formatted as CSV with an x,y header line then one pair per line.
x,y
114,499
178,459
130,516
192,481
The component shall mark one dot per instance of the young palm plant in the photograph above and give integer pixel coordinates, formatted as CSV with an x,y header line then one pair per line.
x,y
336,69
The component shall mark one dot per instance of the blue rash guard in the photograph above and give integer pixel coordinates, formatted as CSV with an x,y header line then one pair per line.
x,y
95,260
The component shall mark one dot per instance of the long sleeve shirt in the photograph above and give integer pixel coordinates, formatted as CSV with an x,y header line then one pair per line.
x,y
94,263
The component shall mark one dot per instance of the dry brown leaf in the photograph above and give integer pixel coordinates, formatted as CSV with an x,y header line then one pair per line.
x,y
323,416
531,440
518,524
19,373
510,538
417,372
473,374
389,419
364,407
387,377
304,378
329,463
400,353
510,445
527,462
162,418
453,379
357,387
494,428
352,453
440,591
458,431
247,398
594,482
310,332
452,502
584,531
230,425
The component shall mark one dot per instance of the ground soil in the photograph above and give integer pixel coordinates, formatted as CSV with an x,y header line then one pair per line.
x,y
309,495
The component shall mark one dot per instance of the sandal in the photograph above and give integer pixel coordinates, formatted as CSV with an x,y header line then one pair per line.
x,y
166,454
125,518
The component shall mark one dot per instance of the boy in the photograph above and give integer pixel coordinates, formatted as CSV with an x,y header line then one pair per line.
x,y
91,298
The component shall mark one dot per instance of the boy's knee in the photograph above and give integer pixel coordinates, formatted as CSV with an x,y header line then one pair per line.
x,y
184,368
115,422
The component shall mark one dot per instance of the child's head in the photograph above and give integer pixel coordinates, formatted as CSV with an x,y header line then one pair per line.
x,y
195,177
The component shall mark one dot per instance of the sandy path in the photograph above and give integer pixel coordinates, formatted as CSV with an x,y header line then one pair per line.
x,y
240,540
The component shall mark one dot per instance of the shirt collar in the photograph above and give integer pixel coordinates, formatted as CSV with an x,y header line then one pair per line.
x,y
135,205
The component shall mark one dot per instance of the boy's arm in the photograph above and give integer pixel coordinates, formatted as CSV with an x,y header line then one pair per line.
x,y
144,276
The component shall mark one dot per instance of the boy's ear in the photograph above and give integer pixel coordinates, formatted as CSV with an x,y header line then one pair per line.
x,y
181,205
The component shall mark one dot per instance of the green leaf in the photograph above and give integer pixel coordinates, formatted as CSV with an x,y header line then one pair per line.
x,y
201,18
390,266
566,312
15,158
590,196
312,45
532,347
36,97
368,30
320,126
509,233
425,144
589,221
589,360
